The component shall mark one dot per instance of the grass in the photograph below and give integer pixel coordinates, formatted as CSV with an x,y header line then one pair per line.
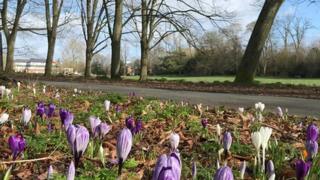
x,y
211,79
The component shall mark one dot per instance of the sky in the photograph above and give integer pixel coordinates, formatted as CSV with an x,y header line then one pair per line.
x,y
244,10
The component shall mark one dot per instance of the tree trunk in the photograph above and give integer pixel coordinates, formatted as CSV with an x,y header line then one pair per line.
x,y
50,54
144,64
250,60
89,56
144,45
1,53
116,41
10,56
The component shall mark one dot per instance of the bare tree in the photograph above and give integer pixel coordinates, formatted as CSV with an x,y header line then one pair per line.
x,y
10,28
297,33
159,19
93,20
250,61
52,20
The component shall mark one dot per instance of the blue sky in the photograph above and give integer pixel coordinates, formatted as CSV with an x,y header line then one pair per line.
x,y
36,46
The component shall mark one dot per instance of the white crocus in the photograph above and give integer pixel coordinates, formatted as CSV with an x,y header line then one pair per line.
x,y
259,106
218,131
26,116
279,112
18,85
107,105
44,89
243,167
256,141
75,90
265,133
218,165
7,93
34,91
241,109
101,155
2,90
174,141
4,118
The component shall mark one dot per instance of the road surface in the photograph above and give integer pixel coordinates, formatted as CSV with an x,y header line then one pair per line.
x,y
297,106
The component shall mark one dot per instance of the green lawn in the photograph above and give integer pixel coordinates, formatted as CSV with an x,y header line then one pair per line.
x,y
262,80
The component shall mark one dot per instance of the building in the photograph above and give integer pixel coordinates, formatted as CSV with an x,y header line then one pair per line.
x,y
33,65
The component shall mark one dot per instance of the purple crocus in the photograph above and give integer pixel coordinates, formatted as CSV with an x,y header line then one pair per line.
x,y
40,109
227,141
17,144
50,173
204,122
78,139
101,130
312,148
168,167
270,169
130,122
71,171
312,132
66,118
194,170
117,108
124,144
94,122
138,127
302,169
223,173
50,110
63,115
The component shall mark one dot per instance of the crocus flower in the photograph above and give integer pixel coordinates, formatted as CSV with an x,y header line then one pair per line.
x,y
101,155
101,130
265,136
44,89
94,122
26,115
78,138
302,169
117,108
312,148
168,167
7,92
194,170
241,110
50,173
130,122
174,141
66,118
279,112
223,173
312,132
34,91
124,144
107,105
71,171
138,126
259,106
4,117
218,130
50,110
17,144
18,84
243,167
40,109
2,89
256,141
270,170
204,122
227,141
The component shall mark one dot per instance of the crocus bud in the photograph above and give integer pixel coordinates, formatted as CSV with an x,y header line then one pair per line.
x,y
259,106
2,89
138,127
50,110
227,141
279,112
265,136
8,92
4,117
130,122
75,90
204,122
26,115
243,167
17,144
270,170
34,91
312,132
168,167
194,170
40,109
224,173
218,130
107,105
18,85
241,110
101,155
44,89
124,144
302,169
174,141
50,173
117,108
71,171
94,122
312,148
101,130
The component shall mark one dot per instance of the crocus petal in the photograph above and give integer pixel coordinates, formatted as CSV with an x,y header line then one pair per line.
x,y
94,122
224,173
227,141
312,132
256,139
161,163
82,139
4,117
26,115
174,141
71,171
124,144
302,169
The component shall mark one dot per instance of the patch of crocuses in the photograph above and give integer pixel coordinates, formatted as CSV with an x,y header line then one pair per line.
x,y
135,126
17,144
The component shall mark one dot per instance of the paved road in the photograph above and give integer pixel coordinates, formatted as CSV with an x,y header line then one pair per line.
x,y
298,106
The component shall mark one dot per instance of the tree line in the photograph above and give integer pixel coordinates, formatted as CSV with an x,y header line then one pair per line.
x,y
151,21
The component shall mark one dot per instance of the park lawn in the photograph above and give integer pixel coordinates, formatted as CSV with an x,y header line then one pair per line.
x,y
210,79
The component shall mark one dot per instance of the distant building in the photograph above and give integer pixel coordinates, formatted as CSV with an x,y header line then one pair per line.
x,y
33,65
